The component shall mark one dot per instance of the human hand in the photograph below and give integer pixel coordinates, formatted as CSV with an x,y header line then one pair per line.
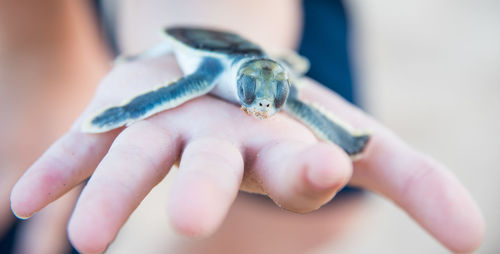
x,y
222,150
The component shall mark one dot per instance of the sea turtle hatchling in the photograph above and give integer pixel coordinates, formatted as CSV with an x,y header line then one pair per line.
x,y
234,69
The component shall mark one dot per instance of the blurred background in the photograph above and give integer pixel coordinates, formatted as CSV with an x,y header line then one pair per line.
x,y
427,69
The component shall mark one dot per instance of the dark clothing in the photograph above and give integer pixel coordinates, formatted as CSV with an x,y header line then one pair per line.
x,y
325,43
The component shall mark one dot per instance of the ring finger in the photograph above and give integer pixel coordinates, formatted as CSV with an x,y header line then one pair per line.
x,y
206,185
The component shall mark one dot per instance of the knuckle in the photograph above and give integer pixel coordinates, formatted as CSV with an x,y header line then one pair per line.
x,y
218,149
420,171
145,143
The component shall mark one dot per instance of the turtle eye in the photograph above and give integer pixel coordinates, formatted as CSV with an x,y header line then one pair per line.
x,y
246,89
282,89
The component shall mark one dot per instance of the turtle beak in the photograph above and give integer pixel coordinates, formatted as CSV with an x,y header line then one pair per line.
x,y
257,114
260,110
261,115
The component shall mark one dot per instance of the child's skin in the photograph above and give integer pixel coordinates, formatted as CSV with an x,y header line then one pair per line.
x,y
223,150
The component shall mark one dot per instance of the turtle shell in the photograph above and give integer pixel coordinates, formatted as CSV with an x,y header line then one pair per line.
x,y
214,41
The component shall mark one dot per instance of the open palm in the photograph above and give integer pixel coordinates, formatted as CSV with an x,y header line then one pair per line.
x,y
222,150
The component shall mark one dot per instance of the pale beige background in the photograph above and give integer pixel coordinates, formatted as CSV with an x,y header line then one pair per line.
x,y
430,70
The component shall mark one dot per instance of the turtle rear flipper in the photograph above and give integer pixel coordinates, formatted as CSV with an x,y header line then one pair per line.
x,y
158,50
327,127
298,65
172,95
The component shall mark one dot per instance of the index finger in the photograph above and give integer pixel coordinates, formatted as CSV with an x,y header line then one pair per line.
x,y
425,189
73,157
69,161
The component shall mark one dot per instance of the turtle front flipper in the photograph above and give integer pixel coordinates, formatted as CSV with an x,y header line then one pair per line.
x,y
327,127
144,105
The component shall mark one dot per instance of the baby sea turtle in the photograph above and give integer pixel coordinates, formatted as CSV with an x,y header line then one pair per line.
x,y
234,69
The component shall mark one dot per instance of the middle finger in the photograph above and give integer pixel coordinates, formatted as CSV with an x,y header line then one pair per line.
x,y
138,159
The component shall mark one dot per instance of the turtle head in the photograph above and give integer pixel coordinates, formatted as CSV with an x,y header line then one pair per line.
x,y
262,87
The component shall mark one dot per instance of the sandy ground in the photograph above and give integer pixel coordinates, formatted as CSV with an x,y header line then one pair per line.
x,y
430,70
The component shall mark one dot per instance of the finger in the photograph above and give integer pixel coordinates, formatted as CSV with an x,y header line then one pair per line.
x,y
422,187
65,164
45,233
138,159
425,189
301,177
207,183
74,156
